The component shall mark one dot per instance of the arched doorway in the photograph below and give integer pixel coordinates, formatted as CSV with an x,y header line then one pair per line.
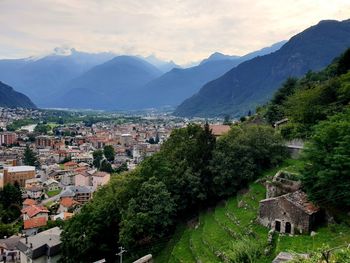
x,y
278,226
288,229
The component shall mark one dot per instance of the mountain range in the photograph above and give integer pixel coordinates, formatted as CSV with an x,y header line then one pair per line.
x,y
253,82
219,85
12,99
111,85
40,78
178,84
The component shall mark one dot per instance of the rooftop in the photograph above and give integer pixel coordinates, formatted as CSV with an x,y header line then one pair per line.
x,y
34,210
14,169
299,198
34,222
44,243
29,201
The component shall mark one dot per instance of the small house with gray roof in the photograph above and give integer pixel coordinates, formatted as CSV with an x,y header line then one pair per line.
x,y
41,248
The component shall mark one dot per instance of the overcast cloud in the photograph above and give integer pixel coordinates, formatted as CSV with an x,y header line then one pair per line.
x,y
170,29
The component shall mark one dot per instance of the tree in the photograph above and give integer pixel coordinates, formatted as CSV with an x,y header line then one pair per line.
x,y
93,233
344,63
106,167
149,214
326,177
98,157
183,165
109,153
241,156
122,168
10,203
275,108
10,195
30,157
42,128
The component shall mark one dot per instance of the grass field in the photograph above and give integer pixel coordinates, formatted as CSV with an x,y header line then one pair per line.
x,y
53,193
229,232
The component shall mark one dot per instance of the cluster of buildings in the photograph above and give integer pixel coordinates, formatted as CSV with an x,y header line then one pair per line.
x,y
65,178
8,115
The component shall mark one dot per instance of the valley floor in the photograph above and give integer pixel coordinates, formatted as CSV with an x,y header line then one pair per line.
x,y
229,233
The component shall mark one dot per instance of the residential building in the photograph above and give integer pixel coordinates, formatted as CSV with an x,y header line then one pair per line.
x,y
28,202
99,179
8,138
81,194
67,204
83,179
51,185
41,248
8,248
18,174
70,165
32,183
35,192
34,217
44,141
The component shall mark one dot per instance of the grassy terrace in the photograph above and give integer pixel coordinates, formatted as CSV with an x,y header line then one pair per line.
x,y
229,232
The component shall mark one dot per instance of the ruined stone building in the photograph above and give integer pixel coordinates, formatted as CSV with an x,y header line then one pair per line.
x,y
286,208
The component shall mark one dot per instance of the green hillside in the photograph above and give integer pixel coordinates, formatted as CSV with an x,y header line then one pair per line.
x,y
229,232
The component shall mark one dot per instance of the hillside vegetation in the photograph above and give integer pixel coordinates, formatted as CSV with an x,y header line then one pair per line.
x,y
229,232
317,107
196,174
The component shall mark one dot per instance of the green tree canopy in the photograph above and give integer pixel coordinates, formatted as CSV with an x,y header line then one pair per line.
x,y
30,157
109,152
98,157
326,177
42,128
149,214
241,155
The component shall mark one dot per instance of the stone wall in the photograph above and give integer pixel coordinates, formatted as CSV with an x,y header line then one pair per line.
x,y
281,210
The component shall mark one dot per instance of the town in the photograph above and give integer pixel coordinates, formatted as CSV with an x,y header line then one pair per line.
x,y
57,168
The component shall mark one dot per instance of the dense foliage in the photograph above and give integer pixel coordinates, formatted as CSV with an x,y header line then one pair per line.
x,y
140,208
242,155
311,99
30,157
42,128
326,177
10,209
340,255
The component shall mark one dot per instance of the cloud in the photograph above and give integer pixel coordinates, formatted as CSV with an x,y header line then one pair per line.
x,y
181,30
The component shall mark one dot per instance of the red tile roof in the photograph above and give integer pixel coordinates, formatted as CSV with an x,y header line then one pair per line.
x,y
68,202
34,210
35,222
70,163
29,202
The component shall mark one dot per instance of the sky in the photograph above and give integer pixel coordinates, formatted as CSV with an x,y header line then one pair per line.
x,y
178,30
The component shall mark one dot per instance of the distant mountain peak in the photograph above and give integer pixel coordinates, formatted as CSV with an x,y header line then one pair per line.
x,y
219,56
162,65
63,51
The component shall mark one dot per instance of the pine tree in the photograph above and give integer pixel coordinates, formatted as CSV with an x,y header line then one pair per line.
x,y
30,157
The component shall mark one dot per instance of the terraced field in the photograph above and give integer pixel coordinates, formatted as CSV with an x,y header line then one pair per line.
x,y
229,233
